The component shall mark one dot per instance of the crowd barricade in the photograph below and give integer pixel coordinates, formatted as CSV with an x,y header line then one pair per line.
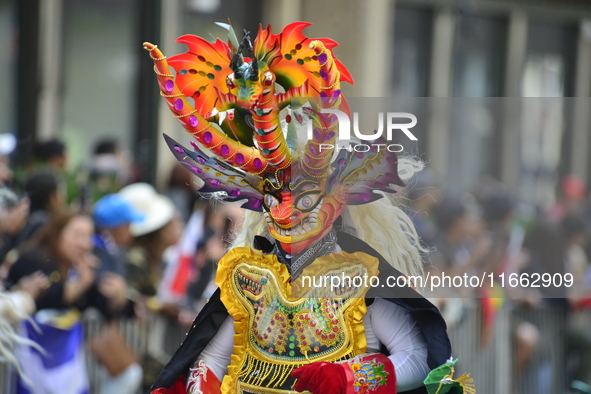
x,y
154,334
5,379
483,350
489,360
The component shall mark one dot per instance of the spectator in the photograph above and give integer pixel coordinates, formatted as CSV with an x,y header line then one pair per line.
x,y
109,169
46,199
16,305
452,254
52,154
576,259
424,193
20,302
571,198
497,248
220,225
497,213
578,339
182,190
160,229
112,216
106,147
62,251
545,249
13,216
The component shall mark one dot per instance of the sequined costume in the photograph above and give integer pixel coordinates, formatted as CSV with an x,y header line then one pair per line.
x,y
257,334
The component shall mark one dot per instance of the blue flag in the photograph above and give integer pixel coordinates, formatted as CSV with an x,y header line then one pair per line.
x,y
61,367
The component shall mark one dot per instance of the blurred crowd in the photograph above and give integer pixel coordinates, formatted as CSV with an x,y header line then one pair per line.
x,y
97,239
486,232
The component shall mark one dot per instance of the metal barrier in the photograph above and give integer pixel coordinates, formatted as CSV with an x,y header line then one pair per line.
x,y
6,379
154,335
490,364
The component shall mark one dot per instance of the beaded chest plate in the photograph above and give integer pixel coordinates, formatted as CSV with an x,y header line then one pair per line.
x,y
276,333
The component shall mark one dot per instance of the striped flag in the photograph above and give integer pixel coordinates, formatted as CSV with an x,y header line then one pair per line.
x,y
61,367
180,260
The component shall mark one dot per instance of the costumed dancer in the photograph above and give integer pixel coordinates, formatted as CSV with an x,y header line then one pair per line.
x,y
308,214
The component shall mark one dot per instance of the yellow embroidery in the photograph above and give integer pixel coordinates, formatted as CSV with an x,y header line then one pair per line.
x,y
276,333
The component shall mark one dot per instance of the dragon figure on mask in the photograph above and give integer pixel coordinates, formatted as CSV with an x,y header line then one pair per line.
x,y
254,336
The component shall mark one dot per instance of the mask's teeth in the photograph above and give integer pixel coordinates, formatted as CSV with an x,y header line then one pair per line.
x,y
313,225
306,225
313,220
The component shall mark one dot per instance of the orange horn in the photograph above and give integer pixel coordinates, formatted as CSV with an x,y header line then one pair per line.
x,y
225,148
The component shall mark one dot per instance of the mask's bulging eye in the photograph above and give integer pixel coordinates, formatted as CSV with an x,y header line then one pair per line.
x,y
271,201
307,202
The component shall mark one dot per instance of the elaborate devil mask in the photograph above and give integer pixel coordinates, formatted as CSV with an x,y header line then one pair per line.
x,y
238,115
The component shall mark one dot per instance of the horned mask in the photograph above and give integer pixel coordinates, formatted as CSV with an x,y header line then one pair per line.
x,y
244,113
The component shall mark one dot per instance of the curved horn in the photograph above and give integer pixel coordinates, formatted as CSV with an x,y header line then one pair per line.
x,y
317,161
233,152
268,132
271,141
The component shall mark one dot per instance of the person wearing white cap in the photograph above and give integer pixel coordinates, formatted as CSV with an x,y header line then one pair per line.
x,y
160,229
158,210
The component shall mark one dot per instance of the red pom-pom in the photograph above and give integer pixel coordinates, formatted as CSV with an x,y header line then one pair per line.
x,y
321,378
